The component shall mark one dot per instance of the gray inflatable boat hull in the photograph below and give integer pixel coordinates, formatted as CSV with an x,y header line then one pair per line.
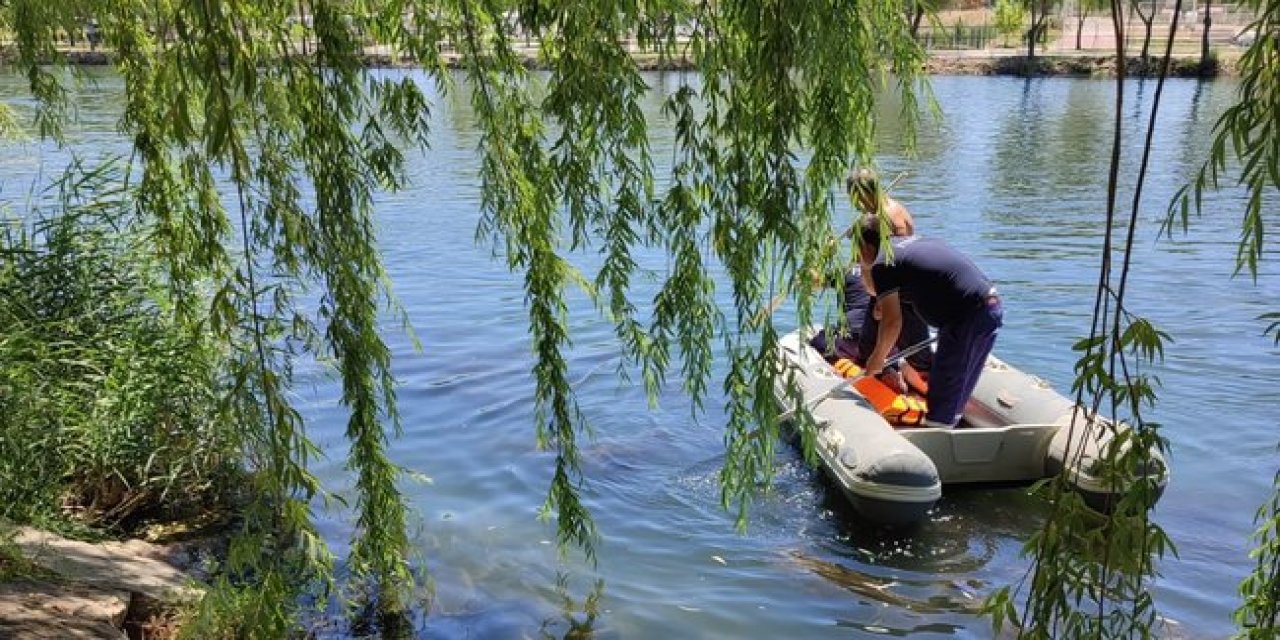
x,y
1020,430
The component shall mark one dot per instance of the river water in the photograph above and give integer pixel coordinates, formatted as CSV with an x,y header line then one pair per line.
x,y
1014,175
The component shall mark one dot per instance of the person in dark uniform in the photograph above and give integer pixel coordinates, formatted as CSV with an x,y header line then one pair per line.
x,y
856,338
950,293
856,303
868,195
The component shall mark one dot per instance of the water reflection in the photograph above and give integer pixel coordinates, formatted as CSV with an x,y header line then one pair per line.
x,y
1139,109
1081,142
880,629
934,137
1030,140
561,613
957,597
962,534
928,578
1192,151
574,625
368,620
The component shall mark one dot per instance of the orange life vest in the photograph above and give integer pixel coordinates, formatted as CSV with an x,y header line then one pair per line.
x,y
899,409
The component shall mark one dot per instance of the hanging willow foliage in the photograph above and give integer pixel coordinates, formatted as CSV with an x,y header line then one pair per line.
x,y
259,154
1091,571
775,77
1248,133
261,139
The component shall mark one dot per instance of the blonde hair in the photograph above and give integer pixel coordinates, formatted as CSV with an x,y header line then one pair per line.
x,y
864,184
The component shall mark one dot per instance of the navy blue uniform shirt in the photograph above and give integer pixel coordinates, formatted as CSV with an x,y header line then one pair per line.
x,y
856,297
943,284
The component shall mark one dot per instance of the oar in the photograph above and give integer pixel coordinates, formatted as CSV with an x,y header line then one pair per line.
x,y
846,382
911,351
767,310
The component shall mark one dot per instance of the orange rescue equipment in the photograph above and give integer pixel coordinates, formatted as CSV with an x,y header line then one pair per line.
x,y
898,408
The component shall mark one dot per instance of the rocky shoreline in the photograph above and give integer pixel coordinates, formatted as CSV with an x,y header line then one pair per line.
x,y
969,63
97,590
1073,65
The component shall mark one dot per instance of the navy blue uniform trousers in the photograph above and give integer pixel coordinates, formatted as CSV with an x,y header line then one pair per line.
x,y
963,347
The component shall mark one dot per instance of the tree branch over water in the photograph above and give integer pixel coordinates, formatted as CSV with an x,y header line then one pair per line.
x,y
1247,142
274,99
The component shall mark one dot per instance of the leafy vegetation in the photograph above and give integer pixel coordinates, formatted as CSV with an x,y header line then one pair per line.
x,y
1039,11
1083,9
1146,12
108,409
285,114
1010,14
917,12
1090,572
1246,133
303,134
13,564
1246,136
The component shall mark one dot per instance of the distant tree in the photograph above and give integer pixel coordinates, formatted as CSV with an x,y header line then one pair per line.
x,y
1083,9
1204,36
1010,14
1146,17
919,9
1040,11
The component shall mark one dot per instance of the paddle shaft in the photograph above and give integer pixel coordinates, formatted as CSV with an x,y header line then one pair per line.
x,y
909,351
845,382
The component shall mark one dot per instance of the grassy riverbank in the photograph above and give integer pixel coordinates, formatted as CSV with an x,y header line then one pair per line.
x,y
110,418
108,403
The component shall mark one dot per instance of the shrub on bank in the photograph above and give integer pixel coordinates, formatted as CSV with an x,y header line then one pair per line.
x,y
108,405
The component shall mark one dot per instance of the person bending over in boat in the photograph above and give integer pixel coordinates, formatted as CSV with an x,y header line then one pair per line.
x,y
950,293
855,339
870,197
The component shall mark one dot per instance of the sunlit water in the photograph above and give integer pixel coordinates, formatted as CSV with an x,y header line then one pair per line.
x,y
1014,176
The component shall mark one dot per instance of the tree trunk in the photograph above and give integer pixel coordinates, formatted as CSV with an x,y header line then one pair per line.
x,y
1080,28
1135,8
1146,37
915,19
1031,34
1204,37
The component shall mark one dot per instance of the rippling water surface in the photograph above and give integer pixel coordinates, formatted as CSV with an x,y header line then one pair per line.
x,y
1015,176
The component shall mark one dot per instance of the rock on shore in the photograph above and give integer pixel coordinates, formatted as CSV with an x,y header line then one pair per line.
x,y
95,586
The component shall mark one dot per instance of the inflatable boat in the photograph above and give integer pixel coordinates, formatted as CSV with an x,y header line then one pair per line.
x,y
1016,428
